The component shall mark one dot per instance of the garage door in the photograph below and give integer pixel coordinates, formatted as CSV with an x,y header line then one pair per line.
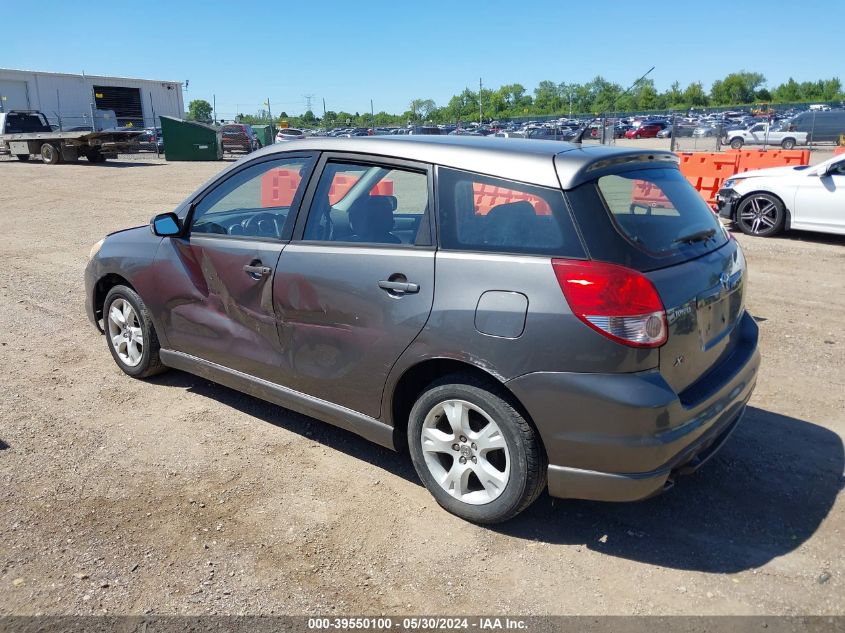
x,y
126,103
14,95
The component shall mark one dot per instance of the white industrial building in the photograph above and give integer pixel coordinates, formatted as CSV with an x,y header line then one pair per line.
x,y
67,99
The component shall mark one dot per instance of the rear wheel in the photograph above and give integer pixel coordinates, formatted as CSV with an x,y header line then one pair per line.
x,y
736,143
50,154
22,157
788,143
761,214
474,451
130,334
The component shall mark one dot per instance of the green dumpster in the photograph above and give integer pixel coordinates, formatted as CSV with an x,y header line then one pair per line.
x,y
188,140
264,134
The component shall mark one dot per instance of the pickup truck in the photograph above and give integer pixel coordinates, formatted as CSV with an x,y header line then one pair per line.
x,y
762,134
25,133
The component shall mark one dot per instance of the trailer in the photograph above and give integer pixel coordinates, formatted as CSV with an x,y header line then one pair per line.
x,y
27,133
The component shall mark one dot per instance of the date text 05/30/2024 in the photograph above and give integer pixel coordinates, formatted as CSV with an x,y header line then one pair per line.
x,y
418,623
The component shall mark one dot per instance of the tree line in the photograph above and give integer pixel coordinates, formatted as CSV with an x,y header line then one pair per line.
x,y
598,96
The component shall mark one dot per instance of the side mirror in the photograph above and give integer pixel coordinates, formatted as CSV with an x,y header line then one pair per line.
x,y
166,225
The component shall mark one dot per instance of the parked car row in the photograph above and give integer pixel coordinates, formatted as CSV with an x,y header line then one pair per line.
x,y
817,125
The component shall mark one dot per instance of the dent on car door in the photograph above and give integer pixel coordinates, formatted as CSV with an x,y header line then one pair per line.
x,y
216,281
356,284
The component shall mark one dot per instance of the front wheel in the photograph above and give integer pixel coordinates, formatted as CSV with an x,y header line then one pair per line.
x,y
50,154
130,334
476,454
788,143
736,143
761,214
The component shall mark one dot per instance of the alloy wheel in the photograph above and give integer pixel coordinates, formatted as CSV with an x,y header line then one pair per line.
x,y
759,215
125,333
465,451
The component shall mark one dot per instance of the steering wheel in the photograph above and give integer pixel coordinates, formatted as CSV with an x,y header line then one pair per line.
x,y
252,224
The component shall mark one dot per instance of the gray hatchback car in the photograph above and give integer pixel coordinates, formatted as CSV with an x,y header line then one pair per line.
x,y
515,314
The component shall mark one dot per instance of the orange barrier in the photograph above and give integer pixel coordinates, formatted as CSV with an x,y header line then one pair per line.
x,y
761,159
489,196
647,195
278,187
342,184
706,171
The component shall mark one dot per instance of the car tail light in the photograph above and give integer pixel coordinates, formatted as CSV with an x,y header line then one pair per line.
x,y
619,303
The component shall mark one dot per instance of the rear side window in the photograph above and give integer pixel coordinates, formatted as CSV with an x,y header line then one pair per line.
x,y
481,213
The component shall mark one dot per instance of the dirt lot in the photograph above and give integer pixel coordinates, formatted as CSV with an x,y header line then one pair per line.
x,y
179,496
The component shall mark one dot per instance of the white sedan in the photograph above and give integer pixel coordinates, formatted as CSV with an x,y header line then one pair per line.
x,y
768,201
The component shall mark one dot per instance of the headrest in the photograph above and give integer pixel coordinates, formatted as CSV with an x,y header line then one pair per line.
x,y
371,215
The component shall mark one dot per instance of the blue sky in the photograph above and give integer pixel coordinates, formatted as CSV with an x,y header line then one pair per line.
x,y
348,53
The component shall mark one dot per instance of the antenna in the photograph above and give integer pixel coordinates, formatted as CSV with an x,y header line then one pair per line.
x,y
578,137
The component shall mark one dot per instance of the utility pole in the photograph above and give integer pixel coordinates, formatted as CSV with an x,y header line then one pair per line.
x,y
214,109
480,112
308,101
324,107
155,133
372,116
270,116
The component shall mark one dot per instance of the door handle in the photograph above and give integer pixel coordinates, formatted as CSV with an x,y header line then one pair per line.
x,y
399,286
257,271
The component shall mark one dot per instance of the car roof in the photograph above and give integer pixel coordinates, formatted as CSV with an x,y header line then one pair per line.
x,y
530,161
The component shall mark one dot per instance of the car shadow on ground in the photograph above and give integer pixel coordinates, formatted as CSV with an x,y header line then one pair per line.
x,y
763,495
795,235
124,163
316,430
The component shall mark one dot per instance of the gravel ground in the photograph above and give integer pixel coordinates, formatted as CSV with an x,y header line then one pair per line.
x,y
178,496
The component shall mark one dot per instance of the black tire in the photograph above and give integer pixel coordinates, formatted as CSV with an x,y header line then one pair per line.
x,y
22,157
95,157
150,362
637,136
788,143
50,154
760,214
736,143
526,457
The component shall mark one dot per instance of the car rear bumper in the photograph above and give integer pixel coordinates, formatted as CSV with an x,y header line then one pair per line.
x,y
624,437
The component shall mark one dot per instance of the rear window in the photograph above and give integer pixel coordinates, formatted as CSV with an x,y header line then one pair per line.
x,y
481,213
646,218
19,123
